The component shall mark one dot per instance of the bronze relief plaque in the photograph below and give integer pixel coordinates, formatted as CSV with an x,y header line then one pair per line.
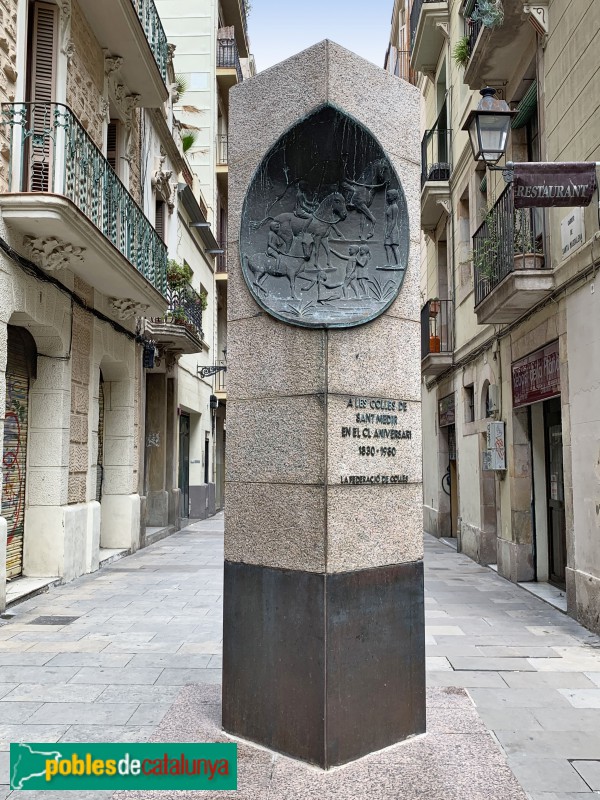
x,y
324,239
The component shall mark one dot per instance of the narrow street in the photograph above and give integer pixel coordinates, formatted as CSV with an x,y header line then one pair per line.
x,y
103,658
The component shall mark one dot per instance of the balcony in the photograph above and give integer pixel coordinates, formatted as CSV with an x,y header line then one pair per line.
x,y
229,69
436,168
428,29
222,163
132,30
495,53
180,330
71,210
221,273
509,264
235,14
437,344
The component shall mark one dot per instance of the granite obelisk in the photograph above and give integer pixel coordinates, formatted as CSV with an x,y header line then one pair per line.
x,y
323,620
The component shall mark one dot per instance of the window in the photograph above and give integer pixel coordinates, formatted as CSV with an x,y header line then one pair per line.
x,y
160,219
469,395
40,92
112,144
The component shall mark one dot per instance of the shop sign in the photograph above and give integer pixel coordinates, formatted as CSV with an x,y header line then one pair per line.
x,y
553,184
447,411
537,376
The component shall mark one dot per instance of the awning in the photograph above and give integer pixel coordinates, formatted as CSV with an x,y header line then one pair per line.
x,y
526,108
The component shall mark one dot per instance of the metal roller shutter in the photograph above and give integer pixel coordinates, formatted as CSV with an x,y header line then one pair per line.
x,y
14,460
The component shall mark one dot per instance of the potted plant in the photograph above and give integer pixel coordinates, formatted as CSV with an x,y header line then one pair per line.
x,y
528,253
178,316
461,52
178,274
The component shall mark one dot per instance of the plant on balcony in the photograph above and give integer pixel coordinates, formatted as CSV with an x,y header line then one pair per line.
x,y
203,301
488,251
529,253
178,315
178,274
489,12
462,52
188,140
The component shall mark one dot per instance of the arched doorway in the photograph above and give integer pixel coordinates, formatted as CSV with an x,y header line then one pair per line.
x,y
20,369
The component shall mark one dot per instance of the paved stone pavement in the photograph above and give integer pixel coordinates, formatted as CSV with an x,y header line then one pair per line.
x,y
147,625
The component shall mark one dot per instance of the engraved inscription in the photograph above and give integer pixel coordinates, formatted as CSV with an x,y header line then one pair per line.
x,y
324,238
376,432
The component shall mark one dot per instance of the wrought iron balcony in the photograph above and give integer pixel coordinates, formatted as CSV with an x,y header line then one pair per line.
x,y
436,155
155,33
185,308
508,250
222,147
222,261
228,56
437,343
472,27
52,155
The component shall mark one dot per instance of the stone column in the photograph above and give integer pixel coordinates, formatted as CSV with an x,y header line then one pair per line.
x,y
323,620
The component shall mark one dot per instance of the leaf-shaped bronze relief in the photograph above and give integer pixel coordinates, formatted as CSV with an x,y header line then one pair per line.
x,y
324,239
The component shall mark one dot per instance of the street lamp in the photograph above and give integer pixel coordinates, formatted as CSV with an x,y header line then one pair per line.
x,y
488,127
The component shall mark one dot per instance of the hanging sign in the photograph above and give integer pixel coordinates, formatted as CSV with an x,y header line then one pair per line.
x,y
549,185
537,376
447,411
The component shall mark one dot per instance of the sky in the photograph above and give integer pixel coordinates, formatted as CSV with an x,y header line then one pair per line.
x,y
280,28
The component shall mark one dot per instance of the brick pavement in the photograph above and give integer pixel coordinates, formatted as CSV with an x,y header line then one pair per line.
x,y
151,623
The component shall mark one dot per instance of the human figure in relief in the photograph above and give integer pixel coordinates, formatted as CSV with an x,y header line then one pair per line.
x,y
350,278
392,227
275,244
362,266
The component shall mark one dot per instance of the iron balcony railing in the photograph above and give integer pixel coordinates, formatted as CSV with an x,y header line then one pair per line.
x,y
185,308
436,327
228,56
472,27
222,149
415,13
222,260
509,239
436,155
155,33
51,152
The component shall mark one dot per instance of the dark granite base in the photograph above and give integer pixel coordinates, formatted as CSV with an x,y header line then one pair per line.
x,y
325,668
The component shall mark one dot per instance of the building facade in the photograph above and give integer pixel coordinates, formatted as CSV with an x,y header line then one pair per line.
x,y
510,332
95,202
212,55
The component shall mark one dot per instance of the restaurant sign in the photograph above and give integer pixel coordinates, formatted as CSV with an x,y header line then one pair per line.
x,y
537,376
447,411
553,184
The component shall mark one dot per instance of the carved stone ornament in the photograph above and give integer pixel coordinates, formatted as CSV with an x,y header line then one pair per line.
x,y
127,308
161,181
51,253
170,52
69,51
324,237
65,24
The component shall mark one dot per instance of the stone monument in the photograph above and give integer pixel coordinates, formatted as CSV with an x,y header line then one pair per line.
x,y
323,616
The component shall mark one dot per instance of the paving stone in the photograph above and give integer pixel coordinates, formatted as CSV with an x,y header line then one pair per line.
x,y
466,679
568,719
11,713
494,664
518,719
546,774
149,714
555,680
582,698
112,675
594,677
180,677
518,698
29,674
139,694
83,713
29,733
550,744
590,772
179,659
90,660
52,693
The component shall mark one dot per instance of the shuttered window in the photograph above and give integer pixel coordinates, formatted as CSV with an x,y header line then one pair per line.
x,y
159,219
112,144
42,68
